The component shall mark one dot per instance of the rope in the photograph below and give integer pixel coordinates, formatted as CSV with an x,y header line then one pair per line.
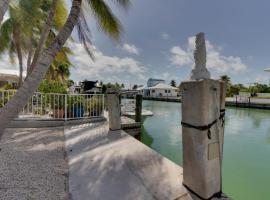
x,y
208,126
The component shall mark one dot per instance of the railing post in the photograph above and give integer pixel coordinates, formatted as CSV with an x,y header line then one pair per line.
x,y
203,112
138,108
113,110
66,107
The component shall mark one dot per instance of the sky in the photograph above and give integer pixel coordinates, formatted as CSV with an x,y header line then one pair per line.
x,y
158,42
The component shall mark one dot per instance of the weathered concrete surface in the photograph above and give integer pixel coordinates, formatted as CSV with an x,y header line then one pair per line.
x,y
113,165
33,165
114,110
202,152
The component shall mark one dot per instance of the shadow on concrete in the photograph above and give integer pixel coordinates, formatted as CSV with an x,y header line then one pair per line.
x,y
113,165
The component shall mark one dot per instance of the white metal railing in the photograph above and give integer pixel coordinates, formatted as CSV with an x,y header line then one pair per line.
x,y
59,106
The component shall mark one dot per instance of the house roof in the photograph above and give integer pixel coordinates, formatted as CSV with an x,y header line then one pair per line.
x,y
5,77
163,86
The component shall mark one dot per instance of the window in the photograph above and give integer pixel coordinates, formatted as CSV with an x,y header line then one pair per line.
x,y
165,91
153,91
169,91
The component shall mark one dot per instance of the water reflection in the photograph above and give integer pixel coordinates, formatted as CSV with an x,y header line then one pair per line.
x,y
146,138
246,148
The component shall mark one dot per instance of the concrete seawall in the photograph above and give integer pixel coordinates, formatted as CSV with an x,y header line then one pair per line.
x,y
255,103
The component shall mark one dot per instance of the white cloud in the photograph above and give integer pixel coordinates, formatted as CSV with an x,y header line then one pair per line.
x,y
215,60
106,68
262,78
6,67
165,36
130,48
179,56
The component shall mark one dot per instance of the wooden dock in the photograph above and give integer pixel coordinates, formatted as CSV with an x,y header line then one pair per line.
x,y
113,165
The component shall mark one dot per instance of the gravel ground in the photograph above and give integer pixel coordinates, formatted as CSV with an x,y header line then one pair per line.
x,y
33,165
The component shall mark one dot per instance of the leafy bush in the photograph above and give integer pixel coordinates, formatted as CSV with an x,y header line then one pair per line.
x,y
52,86
95,106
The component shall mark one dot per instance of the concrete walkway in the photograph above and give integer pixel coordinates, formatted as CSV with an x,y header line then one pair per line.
x,y
113,165
101,165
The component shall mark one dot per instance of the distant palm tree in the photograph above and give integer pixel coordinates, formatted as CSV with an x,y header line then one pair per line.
x,y
107,22
173,83
60,68
225,78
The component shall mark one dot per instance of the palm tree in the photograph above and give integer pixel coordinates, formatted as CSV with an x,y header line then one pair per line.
x,y
107,21
59,69
17,33
225,78
23,28
44,36
11,38
173,83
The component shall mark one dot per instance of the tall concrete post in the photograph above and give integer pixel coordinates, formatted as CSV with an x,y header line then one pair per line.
x,y
138,108
113,110
203,103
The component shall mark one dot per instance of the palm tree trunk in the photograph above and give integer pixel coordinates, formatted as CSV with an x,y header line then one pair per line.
x,y
44,35
3,8
29,57
30,85
17,39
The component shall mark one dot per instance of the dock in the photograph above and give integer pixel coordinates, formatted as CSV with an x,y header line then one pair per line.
x,y
131,127
251,103
112,164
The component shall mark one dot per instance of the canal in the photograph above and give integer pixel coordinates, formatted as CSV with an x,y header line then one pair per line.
x,y
246,162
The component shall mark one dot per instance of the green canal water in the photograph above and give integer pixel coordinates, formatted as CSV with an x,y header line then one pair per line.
x,y
246,163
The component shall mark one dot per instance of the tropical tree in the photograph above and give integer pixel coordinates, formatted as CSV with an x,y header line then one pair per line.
x,y
108,23
11,38
225,78
173,83
60,68
20,32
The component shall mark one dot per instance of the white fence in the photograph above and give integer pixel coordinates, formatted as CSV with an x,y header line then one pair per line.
x,y
59,106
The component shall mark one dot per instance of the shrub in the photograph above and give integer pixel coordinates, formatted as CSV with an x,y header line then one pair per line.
x,y
52,86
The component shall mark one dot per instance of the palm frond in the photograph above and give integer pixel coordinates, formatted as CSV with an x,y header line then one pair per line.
x,y
5,34
60,14
84,34
106,20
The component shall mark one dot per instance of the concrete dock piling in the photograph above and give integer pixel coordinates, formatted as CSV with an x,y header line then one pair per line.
x,y
203,103
138,108
113,110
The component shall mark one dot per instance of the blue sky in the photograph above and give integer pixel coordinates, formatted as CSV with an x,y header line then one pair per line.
x,y
237,33
158,41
